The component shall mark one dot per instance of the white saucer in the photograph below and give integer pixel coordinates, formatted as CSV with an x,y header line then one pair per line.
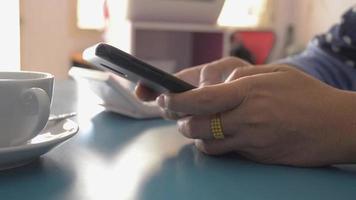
x,y
52,135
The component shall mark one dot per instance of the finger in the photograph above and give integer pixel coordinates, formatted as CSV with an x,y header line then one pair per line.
x,y
199,127
190,75
208,72
233,124
217,71
166,114
215,147
144,93
253,70
206,100
195,127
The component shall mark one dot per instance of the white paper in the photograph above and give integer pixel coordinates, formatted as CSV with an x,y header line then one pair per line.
x,y
116,94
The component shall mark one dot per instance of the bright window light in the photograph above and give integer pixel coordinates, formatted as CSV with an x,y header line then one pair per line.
x,y
119,30
10,35
241,13
90,14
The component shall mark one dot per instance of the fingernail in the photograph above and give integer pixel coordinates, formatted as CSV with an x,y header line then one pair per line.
x,y
180,124
161,101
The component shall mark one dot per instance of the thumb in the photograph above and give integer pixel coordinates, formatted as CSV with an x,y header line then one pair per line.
x,y
207,100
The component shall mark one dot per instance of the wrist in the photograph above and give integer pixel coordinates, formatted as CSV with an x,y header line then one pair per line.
x,y
345,126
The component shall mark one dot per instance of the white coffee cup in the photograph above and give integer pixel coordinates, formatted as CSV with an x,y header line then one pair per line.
x,y
25,101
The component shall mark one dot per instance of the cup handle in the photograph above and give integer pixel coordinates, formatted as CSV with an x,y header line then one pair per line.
x,y
43,109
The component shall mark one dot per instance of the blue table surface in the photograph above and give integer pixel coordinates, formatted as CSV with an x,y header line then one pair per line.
x,y
115,157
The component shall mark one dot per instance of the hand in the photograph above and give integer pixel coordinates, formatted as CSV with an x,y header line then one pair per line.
x,y
199,76
271,114
206,74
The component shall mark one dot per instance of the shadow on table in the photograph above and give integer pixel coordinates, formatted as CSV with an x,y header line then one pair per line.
x,y
193,175
111,132
32,180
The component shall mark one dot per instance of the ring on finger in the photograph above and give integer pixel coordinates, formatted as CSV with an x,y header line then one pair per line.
x,y
216,127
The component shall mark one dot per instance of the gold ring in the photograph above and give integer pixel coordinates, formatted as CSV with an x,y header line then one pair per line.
x,y
216,127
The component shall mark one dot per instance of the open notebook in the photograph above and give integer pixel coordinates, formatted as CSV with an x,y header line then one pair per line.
x,y
116,93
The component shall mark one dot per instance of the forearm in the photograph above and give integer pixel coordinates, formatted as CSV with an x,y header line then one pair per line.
x,y
344,121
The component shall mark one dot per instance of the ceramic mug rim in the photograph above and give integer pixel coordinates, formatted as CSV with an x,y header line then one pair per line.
x,y
33,76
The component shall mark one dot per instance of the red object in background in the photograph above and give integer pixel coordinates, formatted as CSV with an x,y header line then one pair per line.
x,y
259,43
106,10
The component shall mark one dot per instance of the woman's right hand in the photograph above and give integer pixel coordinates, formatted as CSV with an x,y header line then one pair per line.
x,y
272,114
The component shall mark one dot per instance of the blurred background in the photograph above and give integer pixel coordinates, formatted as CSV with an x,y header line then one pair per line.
x,y
49,35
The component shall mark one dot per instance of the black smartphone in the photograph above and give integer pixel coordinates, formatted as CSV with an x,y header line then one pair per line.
x,y
111,59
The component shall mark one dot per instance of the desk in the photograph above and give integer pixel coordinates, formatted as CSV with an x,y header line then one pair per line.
x,y
114,157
